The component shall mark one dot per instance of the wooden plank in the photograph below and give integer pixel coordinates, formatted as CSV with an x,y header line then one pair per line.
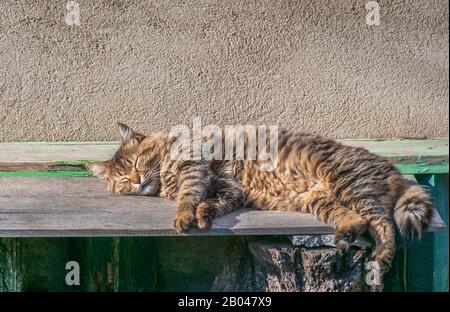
x,y
407,151
428,259
441,239
24,158
11,266
61,207
46,173
82,207
55,152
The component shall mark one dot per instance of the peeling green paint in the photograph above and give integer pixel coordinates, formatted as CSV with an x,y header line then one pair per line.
x,y
72,162
423,168
45,173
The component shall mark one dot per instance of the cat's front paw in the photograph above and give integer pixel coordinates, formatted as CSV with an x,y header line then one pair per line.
x,y
204,216
183,221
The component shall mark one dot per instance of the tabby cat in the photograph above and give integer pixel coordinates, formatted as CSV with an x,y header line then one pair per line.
x,y
347,187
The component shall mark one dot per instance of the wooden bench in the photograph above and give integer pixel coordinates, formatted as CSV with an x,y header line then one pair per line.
x,y
45,192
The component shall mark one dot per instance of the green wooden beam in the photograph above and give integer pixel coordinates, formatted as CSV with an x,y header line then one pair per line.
x,y
11,266
441,239
428,259
403,150
69,158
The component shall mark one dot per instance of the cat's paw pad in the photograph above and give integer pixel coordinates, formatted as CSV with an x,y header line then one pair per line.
x,y
204,217
183,221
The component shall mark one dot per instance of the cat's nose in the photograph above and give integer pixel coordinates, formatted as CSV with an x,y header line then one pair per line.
x,y
134,177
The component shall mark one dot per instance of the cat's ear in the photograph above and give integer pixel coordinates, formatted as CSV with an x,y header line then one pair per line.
x,y
126,133
99,169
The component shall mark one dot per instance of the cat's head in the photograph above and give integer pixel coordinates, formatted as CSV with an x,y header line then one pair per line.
x,y
120,172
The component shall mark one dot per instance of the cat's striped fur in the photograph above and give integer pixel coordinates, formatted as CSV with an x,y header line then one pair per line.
x,y
347,187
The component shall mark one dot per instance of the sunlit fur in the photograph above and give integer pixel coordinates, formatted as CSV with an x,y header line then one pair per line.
x,y
347,187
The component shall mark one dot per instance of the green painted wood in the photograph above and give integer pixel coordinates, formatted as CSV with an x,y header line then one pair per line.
x,y
403,149
396,280
35,264
191,263
99,263
428,258
10,265
423,168
44,264
406,150
410,156
424,266
139,263
115,264
441,239
419,263
45,173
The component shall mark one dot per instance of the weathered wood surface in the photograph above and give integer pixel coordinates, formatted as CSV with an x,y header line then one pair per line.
x,y
279,266
55,158
33,206
55,152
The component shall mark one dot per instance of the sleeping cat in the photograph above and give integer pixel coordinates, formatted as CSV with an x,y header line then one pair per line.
x,y
347,187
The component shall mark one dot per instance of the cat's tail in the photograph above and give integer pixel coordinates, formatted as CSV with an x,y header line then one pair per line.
x,y
413,211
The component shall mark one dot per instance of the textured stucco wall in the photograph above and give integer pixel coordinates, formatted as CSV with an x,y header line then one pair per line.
x,y
310,65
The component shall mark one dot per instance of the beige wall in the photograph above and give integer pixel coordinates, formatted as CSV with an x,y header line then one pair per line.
x,y
309,65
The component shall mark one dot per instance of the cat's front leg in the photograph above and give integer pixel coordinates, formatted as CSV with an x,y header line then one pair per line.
x,y
193,180
226,196
184,217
